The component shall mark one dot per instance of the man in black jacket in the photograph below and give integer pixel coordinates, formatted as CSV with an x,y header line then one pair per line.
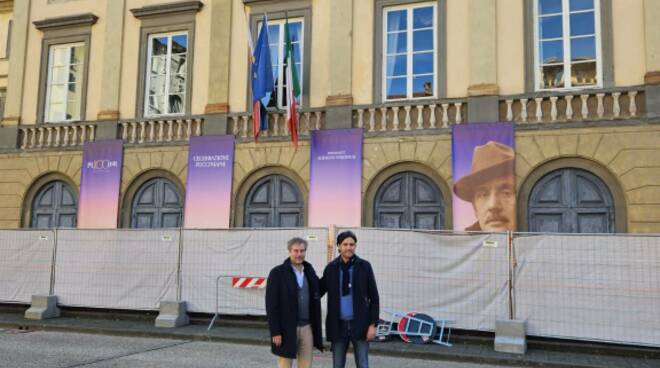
x,y
293,306
353,304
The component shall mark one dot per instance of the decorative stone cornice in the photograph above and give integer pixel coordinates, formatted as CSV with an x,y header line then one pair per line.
x,y
485,89
221,107
86,19
652,78
108,115
167,9
10,120
339,100
264,2
6,6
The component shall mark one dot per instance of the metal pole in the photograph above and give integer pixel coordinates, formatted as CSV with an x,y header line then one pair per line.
x,y
53,259
217,303
509,236
331,243
178,266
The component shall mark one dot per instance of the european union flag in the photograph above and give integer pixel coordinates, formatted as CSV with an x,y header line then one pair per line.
x,y
262,80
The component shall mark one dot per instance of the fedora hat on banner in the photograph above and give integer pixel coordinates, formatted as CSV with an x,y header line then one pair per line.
x,y
491,160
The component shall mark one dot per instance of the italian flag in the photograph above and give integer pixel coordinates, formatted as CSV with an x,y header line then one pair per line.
x,y
293,86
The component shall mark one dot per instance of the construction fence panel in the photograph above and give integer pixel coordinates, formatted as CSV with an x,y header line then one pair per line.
x,y
25,264
460,277
208,254
590,287
116,268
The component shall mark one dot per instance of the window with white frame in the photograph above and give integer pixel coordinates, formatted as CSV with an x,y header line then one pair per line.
x,y
409,52
567,43
65,82
165,84
276,45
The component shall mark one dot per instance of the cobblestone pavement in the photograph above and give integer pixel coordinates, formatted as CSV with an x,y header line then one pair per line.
x,y
20,349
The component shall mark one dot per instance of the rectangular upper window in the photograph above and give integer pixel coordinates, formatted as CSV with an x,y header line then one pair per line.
x,y
165,84
65,82
567,44
410,52
277,44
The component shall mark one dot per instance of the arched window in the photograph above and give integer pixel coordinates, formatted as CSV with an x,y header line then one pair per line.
x,y
54,205
156,204
571,200
274,201
409,200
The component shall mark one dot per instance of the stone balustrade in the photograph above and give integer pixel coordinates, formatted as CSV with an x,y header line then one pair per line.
x,y
410,116
537,108
56,135
161,130
557,107
241,124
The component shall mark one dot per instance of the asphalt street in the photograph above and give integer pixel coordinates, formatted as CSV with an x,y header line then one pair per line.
x,y
19,349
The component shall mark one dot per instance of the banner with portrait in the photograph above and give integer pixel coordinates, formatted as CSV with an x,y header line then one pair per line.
x,y
99,184
208,187
484,182
335,178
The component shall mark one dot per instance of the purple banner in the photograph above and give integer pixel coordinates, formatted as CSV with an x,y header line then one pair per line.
x,y
484,182
99,184
336,178
208,188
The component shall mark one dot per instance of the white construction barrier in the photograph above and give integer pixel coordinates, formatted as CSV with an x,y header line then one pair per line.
x,y
26,257
117,269
591,287
460,277
208,254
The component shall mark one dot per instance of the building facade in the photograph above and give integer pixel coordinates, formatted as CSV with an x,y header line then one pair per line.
x,y
580,79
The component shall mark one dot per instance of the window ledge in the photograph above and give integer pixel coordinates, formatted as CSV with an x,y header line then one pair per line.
x,y
86,19
167,9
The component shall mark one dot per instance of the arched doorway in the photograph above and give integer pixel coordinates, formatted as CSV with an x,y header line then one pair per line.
x,y
274,201
156,204
54,205
409,200
571,200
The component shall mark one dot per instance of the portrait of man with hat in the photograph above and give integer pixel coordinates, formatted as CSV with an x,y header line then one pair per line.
x,y
490,188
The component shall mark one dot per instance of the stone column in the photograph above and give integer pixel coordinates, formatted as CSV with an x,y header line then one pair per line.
x,y
113,45
340,97
652,45
217,104
483,89
18,41
652,33
112,56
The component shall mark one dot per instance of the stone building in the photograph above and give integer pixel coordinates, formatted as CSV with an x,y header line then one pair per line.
x,y
579,78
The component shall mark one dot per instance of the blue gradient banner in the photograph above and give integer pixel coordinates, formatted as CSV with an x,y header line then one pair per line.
x,y
335,196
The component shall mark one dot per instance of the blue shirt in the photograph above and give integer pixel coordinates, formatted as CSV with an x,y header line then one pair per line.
x,y
300,275
346,301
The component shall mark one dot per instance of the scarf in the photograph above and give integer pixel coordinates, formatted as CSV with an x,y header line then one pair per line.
x,y
346,277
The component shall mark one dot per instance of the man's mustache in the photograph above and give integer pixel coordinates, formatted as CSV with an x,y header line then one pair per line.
x,y
496,218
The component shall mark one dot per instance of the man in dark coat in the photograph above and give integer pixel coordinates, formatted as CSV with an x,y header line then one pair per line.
x,y
293,306
353,303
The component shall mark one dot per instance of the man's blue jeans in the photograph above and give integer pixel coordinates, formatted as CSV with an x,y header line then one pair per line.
x,y
339,347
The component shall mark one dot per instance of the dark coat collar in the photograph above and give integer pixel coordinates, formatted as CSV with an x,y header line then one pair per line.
x,y
306,265
336,262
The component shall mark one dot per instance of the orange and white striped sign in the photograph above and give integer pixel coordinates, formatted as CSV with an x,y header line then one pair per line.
x,y
248,282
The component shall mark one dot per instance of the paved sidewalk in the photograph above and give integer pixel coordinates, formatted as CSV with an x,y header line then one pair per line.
x,y
480,350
